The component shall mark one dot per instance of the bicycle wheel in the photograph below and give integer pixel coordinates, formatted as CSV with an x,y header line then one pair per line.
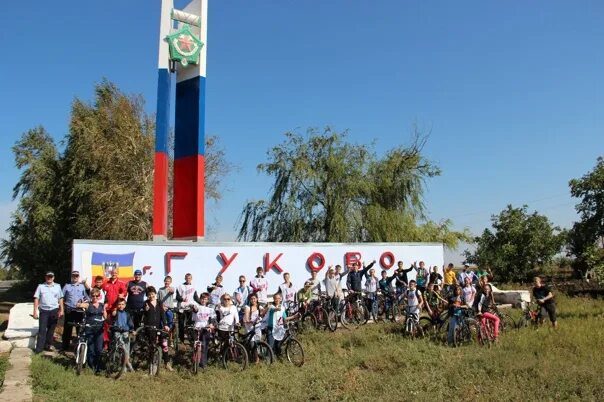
x,y
332,320
395,313
308,322
506,322
155,361
80,357
359,315
466,333
196,357
116,361
483,336
346,317
262,353
234,357
294,352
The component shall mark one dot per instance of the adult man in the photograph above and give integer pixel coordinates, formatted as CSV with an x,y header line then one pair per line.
x,y
73,293
355,277
332,286
545,298
260,286
48,299
465,273
401,278
114,289
435,277
136,297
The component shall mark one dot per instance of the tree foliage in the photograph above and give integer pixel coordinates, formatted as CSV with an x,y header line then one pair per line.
x,y
99,187
326,189
518,244
586,238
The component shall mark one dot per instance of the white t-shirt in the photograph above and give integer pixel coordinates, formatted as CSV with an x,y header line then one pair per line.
x,y
261,285
278,323
252,326
371,284
413,300
315,287
216,294
187,293
203,316
228,318
468,293
288,293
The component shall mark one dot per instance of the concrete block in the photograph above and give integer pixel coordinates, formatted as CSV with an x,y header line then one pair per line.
x,y
24,342
20,322
5,346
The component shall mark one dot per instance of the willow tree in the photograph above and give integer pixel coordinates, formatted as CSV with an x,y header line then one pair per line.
x,y
327,189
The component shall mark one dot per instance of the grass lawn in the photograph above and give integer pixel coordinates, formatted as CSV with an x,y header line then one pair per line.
x,y
375,363
3,365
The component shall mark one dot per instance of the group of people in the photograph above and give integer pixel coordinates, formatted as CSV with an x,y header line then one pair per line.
x,y
113,307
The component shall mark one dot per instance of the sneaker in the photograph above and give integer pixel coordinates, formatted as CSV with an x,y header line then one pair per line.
x,y
169,367
49,348
129,367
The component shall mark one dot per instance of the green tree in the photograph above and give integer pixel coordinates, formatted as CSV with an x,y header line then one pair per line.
x,y
586,238
100,187
327,189
518,245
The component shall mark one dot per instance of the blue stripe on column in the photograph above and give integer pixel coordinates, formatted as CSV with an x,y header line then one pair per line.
x,y
162,118
189,125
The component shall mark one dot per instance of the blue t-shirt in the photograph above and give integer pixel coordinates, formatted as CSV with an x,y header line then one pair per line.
x,y
74,294
136,295
48,296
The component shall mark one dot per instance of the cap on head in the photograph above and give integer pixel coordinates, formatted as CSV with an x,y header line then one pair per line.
x,y
138,272
50,273
74,273
465,264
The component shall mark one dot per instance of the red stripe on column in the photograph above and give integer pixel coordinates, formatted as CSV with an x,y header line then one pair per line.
x,y
189,190
160,195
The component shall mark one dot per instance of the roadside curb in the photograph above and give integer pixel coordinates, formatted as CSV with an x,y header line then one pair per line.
x,y
17,380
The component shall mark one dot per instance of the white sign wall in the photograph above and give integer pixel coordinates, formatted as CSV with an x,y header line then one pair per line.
x,y
206,260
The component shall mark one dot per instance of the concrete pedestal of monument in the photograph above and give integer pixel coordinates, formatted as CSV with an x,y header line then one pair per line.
x,y
22,328
517,298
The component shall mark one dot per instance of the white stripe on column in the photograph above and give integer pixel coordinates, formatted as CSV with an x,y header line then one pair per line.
x,y
165,24
196,7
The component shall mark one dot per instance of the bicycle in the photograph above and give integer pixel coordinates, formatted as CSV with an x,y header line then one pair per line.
x,y
234,355
466,330
82,348
147,348
294,352
353,312
530,316
324,314
486,332
388,307
185,313
435,324
412,327
197,351
115,363
258,350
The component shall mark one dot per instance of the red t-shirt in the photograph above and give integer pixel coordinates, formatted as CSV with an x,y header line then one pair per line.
x,y
113,292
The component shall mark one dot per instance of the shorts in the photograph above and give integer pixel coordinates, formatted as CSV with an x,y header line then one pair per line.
x,y
550,308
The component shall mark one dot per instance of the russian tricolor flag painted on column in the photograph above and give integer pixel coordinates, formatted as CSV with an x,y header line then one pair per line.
x,y
189,134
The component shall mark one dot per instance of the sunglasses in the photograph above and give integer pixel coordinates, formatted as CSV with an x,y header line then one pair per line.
x,y
227,299
95,296
242,280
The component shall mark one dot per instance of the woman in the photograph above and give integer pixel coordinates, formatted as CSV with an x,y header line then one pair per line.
x,y
227,316
484,307
276,319
251,315
155,316
371,287
95,317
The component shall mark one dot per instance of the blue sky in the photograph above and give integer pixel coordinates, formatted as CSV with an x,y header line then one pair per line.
x,y
511,92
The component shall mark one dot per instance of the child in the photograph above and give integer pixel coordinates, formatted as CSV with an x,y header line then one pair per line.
x,y
155,316
415,300
205,320
98,284
166,298
122,325
484,306
456,308
304,296
260,286
468,292
371,286
216,291
276,319
288,291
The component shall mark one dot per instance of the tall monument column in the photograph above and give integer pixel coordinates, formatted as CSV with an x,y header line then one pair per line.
x,y
185,55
